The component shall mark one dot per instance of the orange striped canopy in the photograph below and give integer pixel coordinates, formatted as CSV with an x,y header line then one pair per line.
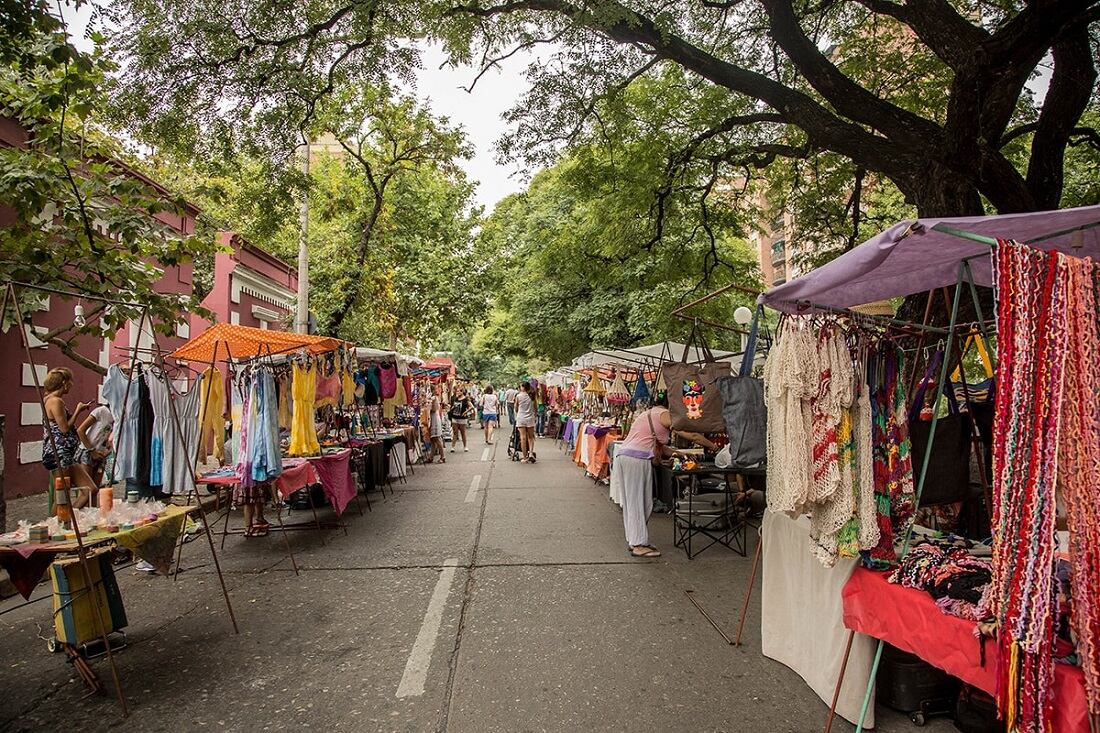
x,y
233,343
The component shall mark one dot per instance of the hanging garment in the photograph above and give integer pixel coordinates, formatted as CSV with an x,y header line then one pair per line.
x,y
211,415
265,456
790,381
303,434
125,432
1044,440
139,483
374,378
286,415
159,394
244,457
178,445
327,388
347,388
893,467
387,380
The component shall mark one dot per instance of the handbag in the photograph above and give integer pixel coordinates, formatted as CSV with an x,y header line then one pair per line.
x,y
694,400
656,459
743,408
948,476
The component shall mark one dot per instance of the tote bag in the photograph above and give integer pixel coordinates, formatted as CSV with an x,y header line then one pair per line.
x,y
744,410
693,397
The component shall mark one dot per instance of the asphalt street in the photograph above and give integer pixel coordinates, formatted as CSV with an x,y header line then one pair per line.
x,y
482,595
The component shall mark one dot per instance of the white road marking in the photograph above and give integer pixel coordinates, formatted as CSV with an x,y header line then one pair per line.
x,y
485,453
474,485
420,658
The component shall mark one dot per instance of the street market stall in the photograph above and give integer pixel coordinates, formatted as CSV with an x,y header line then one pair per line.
x,y
846,399
87,604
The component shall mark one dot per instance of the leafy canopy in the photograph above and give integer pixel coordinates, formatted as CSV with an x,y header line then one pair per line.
x,y
83,221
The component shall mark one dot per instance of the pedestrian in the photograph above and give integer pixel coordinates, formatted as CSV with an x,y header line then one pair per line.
x,y
60,441
435,430
525,421
632,472
95,438
462,408
509,400
490,410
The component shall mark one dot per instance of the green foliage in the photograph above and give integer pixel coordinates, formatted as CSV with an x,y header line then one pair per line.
x,y
83,221
580,269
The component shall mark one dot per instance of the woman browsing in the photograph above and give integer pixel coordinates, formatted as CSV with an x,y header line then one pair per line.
x,y
632,472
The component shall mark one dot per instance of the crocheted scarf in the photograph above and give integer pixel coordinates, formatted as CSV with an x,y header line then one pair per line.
x,y
1045,439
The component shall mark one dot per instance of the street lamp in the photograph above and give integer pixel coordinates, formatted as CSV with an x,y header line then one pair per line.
x,y
742,317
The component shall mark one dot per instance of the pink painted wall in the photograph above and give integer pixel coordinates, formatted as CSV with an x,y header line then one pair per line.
x,y
24,476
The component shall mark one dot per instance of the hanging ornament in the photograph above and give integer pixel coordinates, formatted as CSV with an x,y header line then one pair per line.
x,y
618,394
641,390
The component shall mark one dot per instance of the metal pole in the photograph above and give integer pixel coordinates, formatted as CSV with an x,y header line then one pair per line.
x,y
301,318
923,474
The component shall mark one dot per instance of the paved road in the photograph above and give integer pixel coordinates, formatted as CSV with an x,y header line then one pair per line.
x,y
483,595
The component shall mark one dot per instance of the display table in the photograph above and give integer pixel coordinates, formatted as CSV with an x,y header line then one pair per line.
x,y
910,620
155,542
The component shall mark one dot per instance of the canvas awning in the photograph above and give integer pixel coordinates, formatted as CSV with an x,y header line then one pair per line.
x,y
918,255
649,355
244,342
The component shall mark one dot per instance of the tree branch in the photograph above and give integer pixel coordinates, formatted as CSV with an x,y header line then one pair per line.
x,y
1070,90
67,349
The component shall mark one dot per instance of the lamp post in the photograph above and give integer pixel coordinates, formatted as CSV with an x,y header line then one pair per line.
x,y
742,317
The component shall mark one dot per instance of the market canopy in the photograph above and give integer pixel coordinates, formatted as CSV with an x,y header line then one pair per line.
x,y
649,355
244,342
918,255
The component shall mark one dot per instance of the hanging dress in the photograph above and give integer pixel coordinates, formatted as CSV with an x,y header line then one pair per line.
x,y
303,434
211,415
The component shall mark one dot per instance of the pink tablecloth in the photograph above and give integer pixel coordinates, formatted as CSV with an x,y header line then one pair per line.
x,y
910,620
297,474
334,470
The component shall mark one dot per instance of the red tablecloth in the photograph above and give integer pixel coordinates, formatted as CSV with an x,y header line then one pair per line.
x,y
334,470
298,473
910,620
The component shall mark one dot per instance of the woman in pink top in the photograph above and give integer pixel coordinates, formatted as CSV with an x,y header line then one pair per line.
x,y
632,472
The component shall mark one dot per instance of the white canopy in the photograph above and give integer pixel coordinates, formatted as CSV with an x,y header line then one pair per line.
x,y
653,354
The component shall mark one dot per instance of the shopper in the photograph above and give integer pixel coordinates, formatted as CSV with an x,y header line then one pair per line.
x,y
525,421
462,409
60,442
95,439
632,472
509,400
490,411
435,430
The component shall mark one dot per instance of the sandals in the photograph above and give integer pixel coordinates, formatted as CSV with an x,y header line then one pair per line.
x,y
258,530
650,552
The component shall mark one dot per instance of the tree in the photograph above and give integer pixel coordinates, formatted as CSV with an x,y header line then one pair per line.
x,y
929,95
580,271
84,222
396,142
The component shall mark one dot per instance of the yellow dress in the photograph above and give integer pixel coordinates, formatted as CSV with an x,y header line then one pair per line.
x,y
347,389
211,414
286,417
303,433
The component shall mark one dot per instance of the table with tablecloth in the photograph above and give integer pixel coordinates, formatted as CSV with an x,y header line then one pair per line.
x,y
332,470
910,620
154,542
802,616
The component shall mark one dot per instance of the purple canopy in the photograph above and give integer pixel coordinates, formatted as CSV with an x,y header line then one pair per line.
x,y
914,256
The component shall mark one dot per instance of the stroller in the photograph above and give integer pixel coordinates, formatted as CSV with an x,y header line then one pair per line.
x,y
514,451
